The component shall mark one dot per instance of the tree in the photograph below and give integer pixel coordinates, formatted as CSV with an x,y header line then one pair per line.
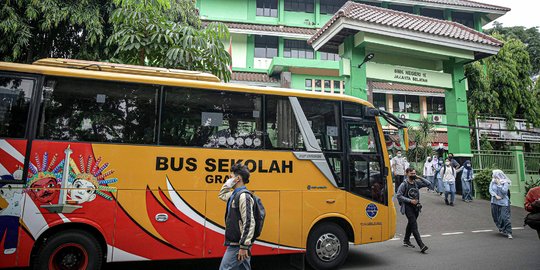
x,y
505,87
423,137
530,37
166,33
31,30
156,34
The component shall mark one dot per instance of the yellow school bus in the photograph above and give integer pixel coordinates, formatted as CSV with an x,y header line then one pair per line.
x,y
104,162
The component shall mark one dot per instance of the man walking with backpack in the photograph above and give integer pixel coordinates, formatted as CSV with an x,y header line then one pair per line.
x,y
408,196
240,210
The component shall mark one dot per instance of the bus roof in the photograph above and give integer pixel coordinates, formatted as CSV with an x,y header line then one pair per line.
x,y
153,75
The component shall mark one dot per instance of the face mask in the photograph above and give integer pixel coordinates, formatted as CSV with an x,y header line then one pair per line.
x,y
412,177
468,165
399,155
447,163
429,160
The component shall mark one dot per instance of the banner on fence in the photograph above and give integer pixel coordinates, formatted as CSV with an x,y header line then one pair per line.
x,y
492,127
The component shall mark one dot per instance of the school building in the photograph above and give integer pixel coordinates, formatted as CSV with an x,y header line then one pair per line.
x,y
404,56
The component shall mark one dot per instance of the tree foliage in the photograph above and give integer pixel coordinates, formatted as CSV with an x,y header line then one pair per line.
x,y
529,36
423,136
501,85
166,33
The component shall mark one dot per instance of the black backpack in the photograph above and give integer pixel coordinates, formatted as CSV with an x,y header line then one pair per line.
x,y
533,220
258,212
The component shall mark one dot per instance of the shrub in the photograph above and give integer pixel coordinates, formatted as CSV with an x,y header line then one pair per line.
x,y
483,179
531,184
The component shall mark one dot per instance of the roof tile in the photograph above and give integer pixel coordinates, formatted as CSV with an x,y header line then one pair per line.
x,y
405,87
406,21
464,3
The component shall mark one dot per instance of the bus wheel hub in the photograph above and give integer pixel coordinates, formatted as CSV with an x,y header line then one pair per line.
x,y
328,247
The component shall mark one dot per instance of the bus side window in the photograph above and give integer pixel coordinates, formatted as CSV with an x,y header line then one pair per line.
x,y
15,98
98,111
282,130
211,119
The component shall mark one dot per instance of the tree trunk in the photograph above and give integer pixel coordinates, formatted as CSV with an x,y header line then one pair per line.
x,y
141,56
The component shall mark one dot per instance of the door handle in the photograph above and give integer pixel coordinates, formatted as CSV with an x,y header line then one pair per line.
x,y
161,217
330,201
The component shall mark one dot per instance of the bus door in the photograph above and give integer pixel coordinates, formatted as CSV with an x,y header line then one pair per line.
x,y
368,198
17,96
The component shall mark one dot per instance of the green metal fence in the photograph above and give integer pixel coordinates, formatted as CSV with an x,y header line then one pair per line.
x,y
532,162
503,160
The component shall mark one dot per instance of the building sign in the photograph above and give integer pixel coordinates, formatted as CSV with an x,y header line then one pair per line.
x,y
408,75
491,128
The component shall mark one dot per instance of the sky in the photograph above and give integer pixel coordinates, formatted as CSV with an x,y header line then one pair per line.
x,y
524,12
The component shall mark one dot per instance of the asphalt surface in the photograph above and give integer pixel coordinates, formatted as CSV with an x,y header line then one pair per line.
x,y
460,237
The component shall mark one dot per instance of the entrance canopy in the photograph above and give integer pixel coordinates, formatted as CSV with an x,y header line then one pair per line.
x,y
353,18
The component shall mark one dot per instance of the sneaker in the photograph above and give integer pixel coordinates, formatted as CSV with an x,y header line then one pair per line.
x,y
408,244
446,201
451,204
424,248
510,236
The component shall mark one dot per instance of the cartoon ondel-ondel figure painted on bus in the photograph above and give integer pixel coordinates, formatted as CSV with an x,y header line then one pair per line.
x,y
43,181
87,182
10,211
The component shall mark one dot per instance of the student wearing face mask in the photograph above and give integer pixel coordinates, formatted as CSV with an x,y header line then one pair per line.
x,y
467,175
398,169
429,172
408,196
500,202
449,181
239,219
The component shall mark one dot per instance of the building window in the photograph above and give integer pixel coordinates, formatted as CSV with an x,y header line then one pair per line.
x,y
297,49
331,6
299,5
330,56
266,47
435,105
408,9
406,104
432,13
466,19
309,84
379,101
267,8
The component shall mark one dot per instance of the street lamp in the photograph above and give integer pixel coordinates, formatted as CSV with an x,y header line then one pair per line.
x,y
367,59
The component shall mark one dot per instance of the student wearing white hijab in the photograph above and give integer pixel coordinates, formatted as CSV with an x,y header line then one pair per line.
x,y
500,202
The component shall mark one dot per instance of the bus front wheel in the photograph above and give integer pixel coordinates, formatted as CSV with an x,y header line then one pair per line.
x,y
71,250
327,246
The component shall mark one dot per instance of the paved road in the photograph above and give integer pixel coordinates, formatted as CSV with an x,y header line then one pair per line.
x,y
460,237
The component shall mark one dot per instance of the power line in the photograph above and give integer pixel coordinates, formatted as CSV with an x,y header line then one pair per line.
x,y
477,128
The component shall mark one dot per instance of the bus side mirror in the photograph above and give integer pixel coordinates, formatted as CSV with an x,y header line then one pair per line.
x,y
371,112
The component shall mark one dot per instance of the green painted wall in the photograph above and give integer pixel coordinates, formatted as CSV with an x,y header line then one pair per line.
x,y
300,19
230,10
239,50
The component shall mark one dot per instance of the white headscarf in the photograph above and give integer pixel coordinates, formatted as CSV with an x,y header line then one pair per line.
x,y
498,174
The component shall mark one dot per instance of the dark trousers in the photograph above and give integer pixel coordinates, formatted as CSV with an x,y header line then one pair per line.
x,y
9,225
398,179
411,213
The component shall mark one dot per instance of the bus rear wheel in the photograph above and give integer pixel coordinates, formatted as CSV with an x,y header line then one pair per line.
x,y
327,246
70,250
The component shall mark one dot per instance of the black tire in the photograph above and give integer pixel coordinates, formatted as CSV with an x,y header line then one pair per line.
x,y
332,233
73,249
